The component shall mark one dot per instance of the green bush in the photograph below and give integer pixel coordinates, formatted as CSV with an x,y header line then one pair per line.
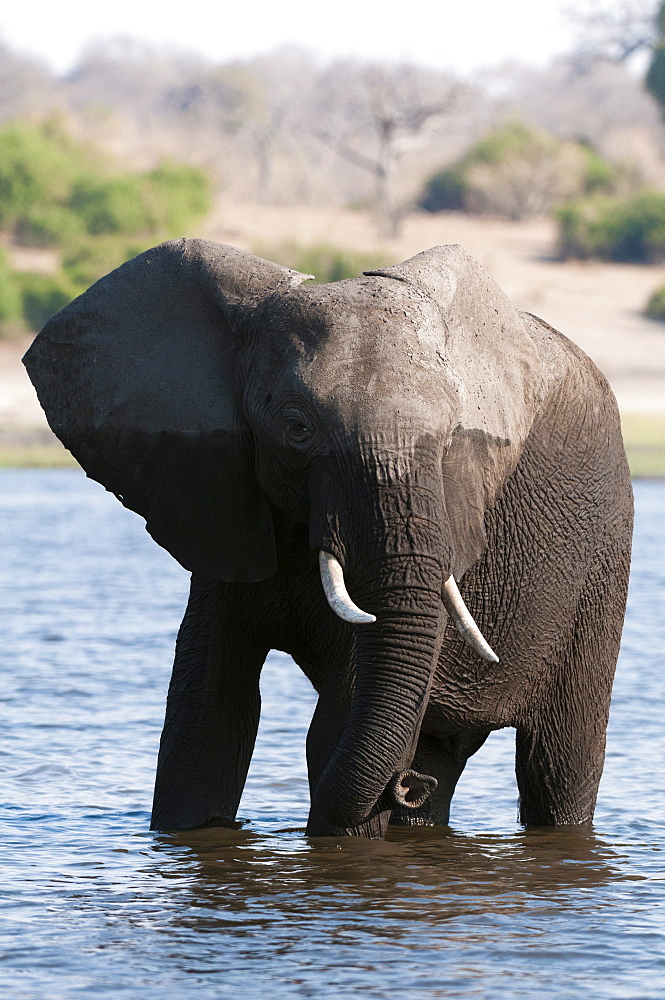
x,y
11,309
116,205
630,230
599,175
579,227
164,202
48,226
181,195
326,263
93,258
517,172
37,169
53,191
511,139
28,300
656,305
43,295
445,191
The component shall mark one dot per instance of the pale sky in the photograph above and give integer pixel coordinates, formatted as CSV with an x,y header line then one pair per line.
x,y
464,35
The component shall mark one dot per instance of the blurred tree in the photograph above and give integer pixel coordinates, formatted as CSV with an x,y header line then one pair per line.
x,y
402,119
251,104
276,129
26,87
257,125
127,76
619,31
219,96
594,105
614,29
655,78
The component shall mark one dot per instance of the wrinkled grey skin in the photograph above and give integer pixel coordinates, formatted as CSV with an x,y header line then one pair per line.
x,y
414,425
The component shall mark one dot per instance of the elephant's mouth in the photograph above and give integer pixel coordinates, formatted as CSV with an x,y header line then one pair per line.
x,y
332,578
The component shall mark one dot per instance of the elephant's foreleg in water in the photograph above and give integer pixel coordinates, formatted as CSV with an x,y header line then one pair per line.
x,y
212,711
561,745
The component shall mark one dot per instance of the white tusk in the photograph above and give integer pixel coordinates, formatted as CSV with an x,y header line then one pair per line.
x,y
332,578
466,626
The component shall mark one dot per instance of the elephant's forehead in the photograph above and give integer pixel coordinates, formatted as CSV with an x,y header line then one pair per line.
x,y
375,313
375,350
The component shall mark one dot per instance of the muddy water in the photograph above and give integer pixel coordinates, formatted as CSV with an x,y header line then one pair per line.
x,y
93,904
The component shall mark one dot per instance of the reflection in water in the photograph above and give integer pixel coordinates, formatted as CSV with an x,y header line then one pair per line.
x,y
93,902
435,864
479,912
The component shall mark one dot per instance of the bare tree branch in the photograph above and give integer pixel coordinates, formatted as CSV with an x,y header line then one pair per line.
x,y
613,30
402,120
347,152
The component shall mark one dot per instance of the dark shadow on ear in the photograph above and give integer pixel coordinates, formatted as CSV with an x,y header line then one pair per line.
x,y
138,378
469,460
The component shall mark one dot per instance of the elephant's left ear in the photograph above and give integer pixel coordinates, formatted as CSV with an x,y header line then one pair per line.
x,y
139,379
497,371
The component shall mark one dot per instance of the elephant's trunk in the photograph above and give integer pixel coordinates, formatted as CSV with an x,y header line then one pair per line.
x,y
396,556
395,659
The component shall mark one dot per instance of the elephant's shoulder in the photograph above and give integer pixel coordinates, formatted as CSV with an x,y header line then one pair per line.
x,y
578,429
566,367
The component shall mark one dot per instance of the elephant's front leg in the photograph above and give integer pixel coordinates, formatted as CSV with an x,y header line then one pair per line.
x,y
212,711
561,742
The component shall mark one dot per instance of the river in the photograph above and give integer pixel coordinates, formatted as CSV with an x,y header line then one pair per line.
x,y
93,904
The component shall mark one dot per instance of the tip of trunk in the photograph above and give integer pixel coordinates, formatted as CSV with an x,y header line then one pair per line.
x,y
409,789
406,790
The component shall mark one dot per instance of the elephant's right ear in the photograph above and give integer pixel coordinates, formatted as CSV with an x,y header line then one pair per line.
x,y
138,378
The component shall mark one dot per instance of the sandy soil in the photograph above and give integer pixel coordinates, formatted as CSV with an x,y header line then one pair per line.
x,y
597,305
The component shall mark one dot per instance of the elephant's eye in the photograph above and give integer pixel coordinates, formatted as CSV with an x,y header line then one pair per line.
x,y
298,432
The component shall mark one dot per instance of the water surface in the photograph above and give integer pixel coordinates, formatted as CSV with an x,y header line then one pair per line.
x,y
92,903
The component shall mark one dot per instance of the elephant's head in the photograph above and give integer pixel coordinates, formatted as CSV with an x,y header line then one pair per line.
x,y
208,388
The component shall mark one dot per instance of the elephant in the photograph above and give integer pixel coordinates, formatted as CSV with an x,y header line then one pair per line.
x,y
417,491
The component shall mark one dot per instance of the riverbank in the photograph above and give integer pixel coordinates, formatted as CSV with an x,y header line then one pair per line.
x,y
644,438
598,305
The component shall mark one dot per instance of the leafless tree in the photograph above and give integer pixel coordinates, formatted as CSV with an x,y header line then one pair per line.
x,y
618,31
26,86
595,105
613,30
402,119
274,129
